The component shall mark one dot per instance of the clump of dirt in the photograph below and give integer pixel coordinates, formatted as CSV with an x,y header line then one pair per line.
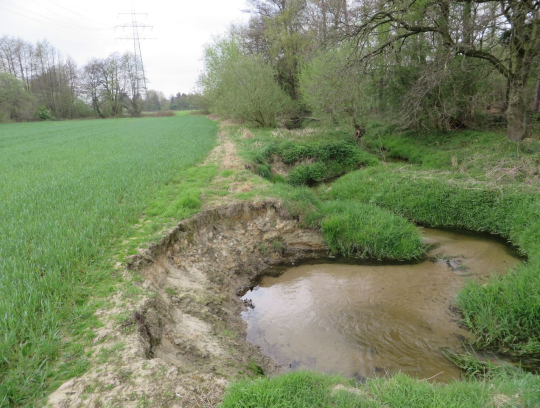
x,y
283,169
184,339
246,133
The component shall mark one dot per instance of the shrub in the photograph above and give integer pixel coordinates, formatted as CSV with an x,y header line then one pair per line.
x,y
242,87
44,114
307,174
15,101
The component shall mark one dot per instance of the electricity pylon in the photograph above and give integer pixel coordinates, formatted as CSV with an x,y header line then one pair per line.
x,y
140,76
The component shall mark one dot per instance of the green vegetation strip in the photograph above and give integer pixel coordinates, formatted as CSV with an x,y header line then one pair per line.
x,y
504,312
311,390
350,229
69,191
476,153
311,158
365,231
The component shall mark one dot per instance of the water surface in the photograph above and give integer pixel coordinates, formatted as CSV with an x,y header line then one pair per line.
x,y
362,320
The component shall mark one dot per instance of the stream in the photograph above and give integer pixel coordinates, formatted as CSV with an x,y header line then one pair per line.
x,y
373,320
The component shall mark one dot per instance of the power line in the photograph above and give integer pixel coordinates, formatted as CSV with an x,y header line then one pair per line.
x,y
81,15
52,24
49,19
140,75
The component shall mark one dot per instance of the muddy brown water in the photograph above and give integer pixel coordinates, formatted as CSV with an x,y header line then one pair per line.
x,y
372,320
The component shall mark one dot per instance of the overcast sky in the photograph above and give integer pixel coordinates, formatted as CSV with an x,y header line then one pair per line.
x,y
86,29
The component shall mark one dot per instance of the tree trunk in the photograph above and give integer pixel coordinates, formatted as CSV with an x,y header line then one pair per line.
x,y
536,106
324,24
517,128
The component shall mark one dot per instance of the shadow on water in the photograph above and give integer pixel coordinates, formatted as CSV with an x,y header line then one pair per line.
x,y
372,319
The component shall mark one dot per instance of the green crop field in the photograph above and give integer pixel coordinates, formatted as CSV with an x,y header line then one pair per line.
x,y
68,191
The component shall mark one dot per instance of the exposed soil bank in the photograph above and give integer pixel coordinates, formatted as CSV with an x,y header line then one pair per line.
x,y
184,338
183,343
372,320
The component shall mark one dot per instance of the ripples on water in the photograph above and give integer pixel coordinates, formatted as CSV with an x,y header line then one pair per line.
x,y
363,320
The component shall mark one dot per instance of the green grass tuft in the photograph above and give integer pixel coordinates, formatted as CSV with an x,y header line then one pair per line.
x,y
307,390
312,157
361,230
297,390
351,229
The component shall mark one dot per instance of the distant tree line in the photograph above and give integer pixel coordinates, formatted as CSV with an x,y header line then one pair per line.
x,y
37,82
156,101
421,64
191,101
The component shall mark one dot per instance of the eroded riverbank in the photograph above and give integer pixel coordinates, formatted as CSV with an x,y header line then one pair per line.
x,y
184,339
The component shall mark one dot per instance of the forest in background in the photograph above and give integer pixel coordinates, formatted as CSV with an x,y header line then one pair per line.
x,y
431,64
37,82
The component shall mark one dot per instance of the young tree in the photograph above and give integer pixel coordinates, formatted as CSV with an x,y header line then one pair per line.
x,y
91,85
15,100
240,86
281,23
335,89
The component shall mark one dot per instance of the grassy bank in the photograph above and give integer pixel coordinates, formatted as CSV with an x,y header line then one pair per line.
x,y
307,390
303,157
503,313
313,155
474,181
482,154
360,230
70,192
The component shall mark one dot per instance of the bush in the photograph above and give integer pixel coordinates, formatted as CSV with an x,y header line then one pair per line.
x,y
331,158
44,114
15,101
307,174
344,152
333,88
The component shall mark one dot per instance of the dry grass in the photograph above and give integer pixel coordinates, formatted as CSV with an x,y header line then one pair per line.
x,y
246,133
282,133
